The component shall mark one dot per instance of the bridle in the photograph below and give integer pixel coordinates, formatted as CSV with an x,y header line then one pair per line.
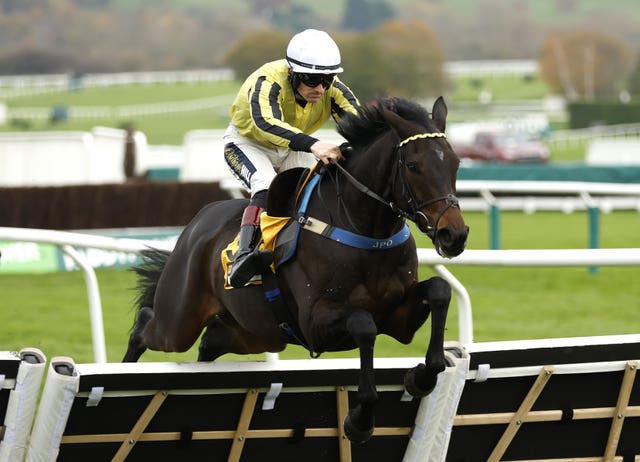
x,y
412,204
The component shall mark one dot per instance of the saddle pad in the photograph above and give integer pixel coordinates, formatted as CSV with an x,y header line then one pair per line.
x,y
270,227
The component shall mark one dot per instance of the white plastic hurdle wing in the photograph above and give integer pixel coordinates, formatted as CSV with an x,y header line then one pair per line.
x,y
246,411
430,437
20,379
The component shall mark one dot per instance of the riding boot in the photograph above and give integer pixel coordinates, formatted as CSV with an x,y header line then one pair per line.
x,y
247,260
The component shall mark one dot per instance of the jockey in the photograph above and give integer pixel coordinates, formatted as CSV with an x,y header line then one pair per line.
x,y
273,116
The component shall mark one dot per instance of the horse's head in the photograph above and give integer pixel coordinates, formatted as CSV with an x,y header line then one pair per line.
x,y
425,182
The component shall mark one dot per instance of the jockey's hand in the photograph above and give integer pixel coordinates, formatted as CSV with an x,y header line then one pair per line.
x,y
326,152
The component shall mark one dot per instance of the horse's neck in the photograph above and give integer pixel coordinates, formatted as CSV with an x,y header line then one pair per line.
x,y
374,168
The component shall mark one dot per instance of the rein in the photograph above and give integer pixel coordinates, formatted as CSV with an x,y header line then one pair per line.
x,y
450,199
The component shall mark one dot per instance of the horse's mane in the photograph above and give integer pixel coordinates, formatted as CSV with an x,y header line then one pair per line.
x,y
361,129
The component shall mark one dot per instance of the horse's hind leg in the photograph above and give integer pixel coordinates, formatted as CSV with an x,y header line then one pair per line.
x,y
436,292
215,341
136,347
224,335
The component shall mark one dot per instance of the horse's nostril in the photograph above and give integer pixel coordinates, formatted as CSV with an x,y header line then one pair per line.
x,y
452,240
444,236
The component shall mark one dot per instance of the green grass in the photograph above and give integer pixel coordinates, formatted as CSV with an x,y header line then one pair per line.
x,y
569,152
159,129
50,311
468,89
121,95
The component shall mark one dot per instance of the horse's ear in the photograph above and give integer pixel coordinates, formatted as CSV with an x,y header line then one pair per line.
x,y
439,114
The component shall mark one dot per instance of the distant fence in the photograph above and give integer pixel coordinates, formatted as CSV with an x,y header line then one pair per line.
x,y
495,67
590,194
70,80
581,135
20,85
119,112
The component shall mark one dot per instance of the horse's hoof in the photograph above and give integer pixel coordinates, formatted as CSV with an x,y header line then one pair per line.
x,y
411,381
354,434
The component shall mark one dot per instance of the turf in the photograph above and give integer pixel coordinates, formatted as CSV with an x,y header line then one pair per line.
x,y
50,311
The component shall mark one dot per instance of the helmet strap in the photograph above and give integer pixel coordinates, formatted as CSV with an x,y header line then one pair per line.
x,y
295,83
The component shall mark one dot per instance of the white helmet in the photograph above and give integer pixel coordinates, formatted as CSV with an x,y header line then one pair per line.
x,y
313,52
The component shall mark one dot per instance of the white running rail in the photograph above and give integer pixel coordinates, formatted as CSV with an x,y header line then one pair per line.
x,y
69,241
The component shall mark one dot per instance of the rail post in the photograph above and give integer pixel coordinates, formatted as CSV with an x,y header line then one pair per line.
x,y
593,214
494,219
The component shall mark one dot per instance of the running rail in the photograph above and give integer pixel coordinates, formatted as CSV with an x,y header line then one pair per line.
x,y
69,242
537,257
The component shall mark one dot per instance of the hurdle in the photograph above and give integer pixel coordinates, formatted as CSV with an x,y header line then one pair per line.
x,y
575,399
239,411
20,380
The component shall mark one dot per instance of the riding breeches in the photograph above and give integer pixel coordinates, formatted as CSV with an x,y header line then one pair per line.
x,y
256,165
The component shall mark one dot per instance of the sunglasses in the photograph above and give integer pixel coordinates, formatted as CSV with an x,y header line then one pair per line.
x,y
313,80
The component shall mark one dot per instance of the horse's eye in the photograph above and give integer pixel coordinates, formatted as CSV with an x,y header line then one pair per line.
x,y
412,166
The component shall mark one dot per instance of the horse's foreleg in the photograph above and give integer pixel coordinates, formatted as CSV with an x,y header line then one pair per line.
x,y
436,295
359,423
136,346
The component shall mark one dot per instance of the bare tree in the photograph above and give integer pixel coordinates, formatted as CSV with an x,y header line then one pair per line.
x,y
584,64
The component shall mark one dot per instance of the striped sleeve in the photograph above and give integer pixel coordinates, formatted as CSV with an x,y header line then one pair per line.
x,y
343,100
267,117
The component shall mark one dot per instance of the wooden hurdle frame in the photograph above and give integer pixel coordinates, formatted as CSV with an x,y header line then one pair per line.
x,y
500,401
610,428
275,410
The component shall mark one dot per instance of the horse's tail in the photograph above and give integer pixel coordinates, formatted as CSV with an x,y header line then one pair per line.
x,y
148,271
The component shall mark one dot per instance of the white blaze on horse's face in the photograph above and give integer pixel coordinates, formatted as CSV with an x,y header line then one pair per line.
x,y
440,154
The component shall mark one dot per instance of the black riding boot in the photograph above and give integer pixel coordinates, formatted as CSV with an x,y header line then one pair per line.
x,y
247,260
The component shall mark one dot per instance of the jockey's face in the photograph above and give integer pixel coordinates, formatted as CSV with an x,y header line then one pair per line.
x,y
311,94
313,86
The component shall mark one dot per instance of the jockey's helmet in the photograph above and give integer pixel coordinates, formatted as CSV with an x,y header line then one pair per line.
x,y
313,52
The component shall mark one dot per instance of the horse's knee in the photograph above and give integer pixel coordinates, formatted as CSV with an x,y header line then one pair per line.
x,y
436,291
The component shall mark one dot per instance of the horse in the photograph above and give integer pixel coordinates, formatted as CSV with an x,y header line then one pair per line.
x,y
399,166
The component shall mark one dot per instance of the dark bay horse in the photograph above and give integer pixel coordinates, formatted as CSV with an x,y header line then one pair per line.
x,y
400,166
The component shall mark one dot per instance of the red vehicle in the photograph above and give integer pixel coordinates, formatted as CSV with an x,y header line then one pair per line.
x,y
503,146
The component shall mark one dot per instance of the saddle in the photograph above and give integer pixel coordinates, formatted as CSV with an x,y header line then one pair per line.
x,y
279,227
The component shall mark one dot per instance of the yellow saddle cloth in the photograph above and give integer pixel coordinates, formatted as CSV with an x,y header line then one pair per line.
x,y
270,227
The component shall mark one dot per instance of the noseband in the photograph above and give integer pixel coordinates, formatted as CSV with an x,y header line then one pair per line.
x,y
414,207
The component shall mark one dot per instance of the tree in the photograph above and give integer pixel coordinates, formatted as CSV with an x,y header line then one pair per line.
x,y
634,78
363,15
584,65
295,17
396,59
255,49
29,61
366,71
